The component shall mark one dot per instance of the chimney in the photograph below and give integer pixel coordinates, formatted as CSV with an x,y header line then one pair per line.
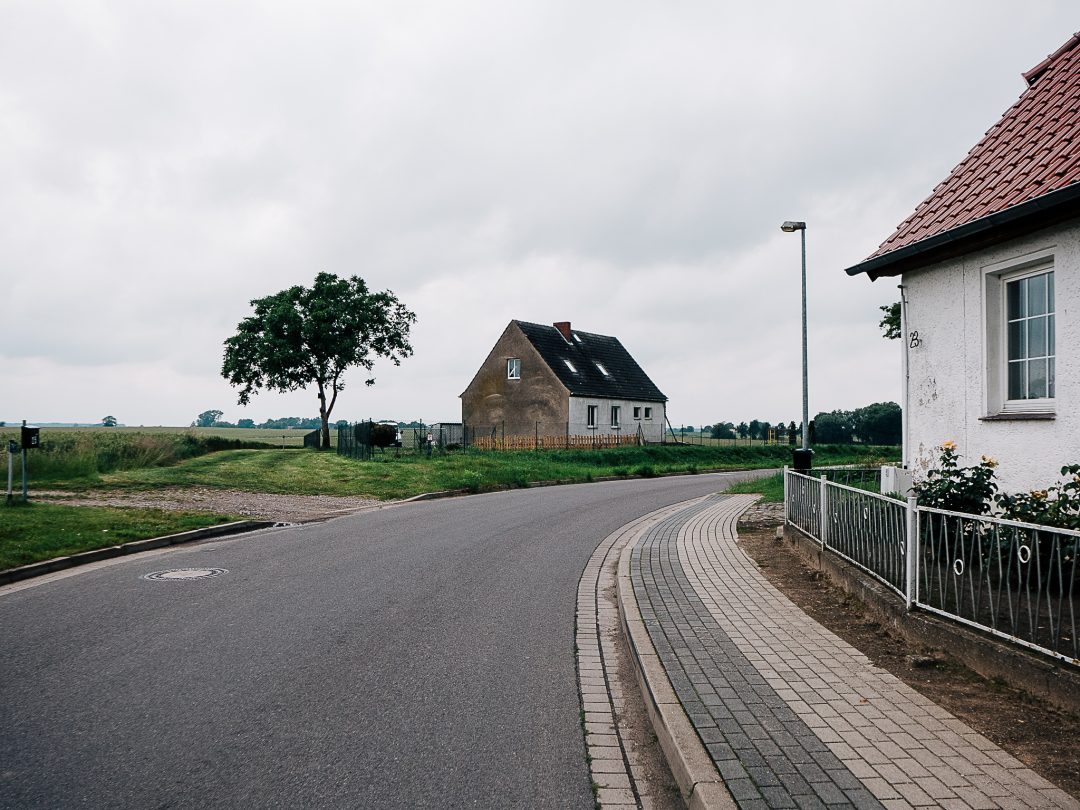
x,y
564,328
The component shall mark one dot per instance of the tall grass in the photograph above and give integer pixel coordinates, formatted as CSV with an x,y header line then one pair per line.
x,y
64,456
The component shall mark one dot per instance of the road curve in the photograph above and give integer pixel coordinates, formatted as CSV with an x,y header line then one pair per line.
x,y
417,656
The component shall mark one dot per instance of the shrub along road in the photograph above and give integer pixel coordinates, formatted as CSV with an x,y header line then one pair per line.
x,y
419,656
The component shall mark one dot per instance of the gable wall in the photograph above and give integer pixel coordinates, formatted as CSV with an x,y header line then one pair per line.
x,y
516,406
951,389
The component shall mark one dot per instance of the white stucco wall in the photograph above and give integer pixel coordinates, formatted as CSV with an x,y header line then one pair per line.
x,y
951,393
653,428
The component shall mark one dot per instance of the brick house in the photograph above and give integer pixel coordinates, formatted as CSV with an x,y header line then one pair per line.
x,y
555,380
990,278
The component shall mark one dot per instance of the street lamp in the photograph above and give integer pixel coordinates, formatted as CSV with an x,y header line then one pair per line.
x,y
802,458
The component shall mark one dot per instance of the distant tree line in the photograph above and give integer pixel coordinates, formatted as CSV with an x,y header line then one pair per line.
x,y
212,419
879,423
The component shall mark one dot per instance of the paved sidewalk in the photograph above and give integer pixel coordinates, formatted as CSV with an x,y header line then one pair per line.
x,y
790,714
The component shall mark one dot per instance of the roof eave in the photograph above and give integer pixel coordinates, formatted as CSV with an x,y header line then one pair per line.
x,y
1044,210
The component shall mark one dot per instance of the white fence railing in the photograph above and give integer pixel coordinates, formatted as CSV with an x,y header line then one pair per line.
x,y
1015,580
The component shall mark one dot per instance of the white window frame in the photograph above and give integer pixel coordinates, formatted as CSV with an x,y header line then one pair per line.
x,y
648,413
996,335
616,417
513,368
591,412
637,412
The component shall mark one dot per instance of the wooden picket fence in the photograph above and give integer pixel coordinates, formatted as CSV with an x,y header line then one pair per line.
x,y
562,442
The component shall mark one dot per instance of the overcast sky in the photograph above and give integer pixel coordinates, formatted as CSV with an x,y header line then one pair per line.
x,y
621,165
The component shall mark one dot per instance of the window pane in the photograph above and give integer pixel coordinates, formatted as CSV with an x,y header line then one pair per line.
x,y
1050,291
1036,379
1016,380
1017,340
1036,336
1015,291
1050,385
1050,349
1036,295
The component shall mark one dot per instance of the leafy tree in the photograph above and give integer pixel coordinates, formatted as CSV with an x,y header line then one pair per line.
x,y
723,430
744,430
108,421
879,423
207,418
245,423
836,427
300,336
765,428
890,323
792,434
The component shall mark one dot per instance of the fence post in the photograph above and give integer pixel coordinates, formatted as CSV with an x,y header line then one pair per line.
x,y
786,506
823,514
912,551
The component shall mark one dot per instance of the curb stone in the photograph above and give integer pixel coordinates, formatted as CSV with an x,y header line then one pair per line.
x,y
62,563
699,781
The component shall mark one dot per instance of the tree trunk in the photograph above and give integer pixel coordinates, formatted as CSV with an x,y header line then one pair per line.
x,y
324,416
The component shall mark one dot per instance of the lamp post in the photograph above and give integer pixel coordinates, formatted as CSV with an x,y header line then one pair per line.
x,y
802,458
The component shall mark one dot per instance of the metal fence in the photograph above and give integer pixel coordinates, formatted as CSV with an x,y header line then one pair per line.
x,y
1015,580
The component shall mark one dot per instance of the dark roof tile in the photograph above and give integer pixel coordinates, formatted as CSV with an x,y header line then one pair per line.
x,y
625,378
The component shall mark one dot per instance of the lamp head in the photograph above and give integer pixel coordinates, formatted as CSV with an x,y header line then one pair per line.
x,y
791,227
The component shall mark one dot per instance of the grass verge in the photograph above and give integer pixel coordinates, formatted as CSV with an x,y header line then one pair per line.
x,y
771,488
37,531
388,477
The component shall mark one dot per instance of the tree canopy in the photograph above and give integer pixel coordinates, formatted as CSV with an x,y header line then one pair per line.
x,y
301,336
890,322
106,421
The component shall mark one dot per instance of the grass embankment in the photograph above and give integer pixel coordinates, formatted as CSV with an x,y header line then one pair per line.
x,y
40,531
771,488
83,454
389,477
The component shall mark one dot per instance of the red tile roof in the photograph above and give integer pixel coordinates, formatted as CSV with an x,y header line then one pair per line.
x,y
1032,151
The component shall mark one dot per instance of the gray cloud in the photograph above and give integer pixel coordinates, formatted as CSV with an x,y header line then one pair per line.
x,y
623,165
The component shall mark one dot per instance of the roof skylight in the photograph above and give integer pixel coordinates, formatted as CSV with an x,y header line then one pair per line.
x,y
570,365
603,370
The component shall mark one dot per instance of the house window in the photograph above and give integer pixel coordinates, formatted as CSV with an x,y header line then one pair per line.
x,y
513,368
1020,333
648,412
592,416
637,412
603,370
615,412
1030,350
570,365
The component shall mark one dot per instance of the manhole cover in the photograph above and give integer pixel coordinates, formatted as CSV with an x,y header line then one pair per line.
x,y
185,573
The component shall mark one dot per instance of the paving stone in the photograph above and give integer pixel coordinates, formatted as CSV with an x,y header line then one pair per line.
x,y
809,720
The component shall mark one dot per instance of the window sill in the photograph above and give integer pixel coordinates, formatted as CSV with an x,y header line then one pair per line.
x,y
1020,416
590,427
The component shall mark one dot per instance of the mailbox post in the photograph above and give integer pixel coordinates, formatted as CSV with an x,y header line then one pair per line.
x,y
12,447
31,437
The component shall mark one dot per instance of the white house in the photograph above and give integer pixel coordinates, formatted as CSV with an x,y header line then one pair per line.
x,y
989,266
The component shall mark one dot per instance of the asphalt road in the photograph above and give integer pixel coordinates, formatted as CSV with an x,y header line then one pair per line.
x,y
417,656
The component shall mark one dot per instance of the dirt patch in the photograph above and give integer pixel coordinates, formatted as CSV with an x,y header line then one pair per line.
x,y
1035,732
266,506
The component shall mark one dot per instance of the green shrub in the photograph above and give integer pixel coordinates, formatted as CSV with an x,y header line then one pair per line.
x,y
956,488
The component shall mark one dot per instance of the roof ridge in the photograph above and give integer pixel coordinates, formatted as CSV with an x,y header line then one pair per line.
x,y
1033,75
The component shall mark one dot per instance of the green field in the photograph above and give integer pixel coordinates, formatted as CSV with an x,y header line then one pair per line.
x,y
389,477
273,438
